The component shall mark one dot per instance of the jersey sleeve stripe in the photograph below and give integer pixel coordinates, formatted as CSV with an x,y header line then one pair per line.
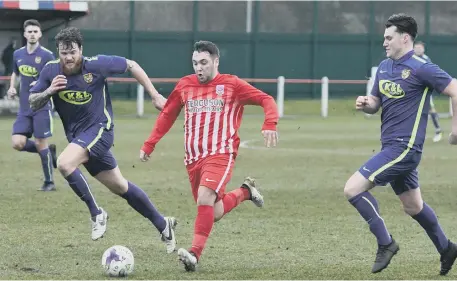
x,y
53,61
419,59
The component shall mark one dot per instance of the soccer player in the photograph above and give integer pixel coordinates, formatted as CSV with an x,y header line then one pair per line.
x,y
402,88
79,89
213,105
419,50
28,62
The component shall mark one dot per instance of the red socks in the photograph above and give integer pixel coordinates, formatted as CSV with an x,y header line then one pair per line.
x,y
234,198
203,225
205,218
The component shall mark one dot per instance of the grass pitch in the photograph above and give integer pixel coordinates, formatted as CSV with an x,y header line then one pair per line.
x,y
307,229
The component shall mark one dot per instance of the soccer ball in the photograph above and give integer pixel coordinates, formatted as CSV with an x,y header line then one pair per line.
x,y
117,261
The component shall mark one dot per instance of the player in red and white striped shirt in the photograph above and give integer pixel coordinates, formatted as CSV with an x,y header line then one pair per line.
x,y
213,105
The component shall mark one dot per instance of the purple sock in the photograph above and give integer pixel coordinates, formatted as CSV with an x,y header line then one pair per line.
x,y
46,163
435,117
428,220
367,206
139,201
30,146
80,186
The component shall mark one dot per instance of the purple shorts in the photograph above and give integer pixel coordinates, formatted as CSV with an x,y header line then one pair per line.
x,y
394,164
98,141
39,124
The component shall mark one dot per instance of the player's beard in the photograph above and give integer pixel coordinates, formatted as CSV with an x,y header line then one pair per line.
x,y
74,69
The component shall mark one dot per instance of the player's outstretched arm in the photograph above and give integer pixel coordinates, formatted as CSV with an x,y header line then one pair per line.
x,y
451,91
248,94
163,124
140,75
368,104
38,100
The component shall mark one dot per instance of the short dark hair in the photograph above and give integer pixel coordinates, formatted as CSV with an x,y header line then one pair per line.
x,y
32,22
68,36
206,46
404,24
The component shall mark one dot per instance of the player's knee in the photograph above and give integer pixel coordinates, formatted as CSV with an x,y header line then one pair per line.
x,y
349,190
65,165
206,196
118,187
206,200
413,208
412,201
355,185
18,144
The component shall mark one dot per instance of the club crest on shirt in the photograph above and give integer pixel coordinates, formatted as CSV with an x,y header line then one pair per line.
x,y
88,78
405,73
219,90
37,59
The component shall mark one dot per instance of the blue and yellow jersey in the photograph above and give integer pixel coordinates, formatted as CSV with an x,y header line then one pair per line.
x,y
85,101
28,67
404,87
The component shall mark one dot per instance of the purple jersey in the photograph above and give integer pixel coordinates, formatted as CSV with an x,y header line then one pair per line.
x,y
85,101
28,67
404,87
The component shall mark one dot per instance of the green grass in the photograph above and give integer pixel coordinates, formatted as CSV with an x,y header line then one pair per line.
x,y
307,229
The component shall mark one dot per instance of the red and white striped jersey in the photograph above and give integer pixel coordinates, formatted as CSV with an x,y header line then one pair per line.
x,y
213,115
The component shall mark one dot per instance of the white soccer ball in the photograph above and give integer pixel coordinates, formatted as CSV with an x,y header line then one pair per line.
x,y
117,261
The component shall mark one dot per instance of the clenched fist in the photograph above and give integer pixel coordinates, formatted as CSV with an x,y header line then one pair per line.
x,y
361,102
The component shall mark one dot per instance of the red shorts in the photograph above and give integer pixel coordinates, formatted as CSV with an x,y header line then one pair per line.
x,y
213,172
